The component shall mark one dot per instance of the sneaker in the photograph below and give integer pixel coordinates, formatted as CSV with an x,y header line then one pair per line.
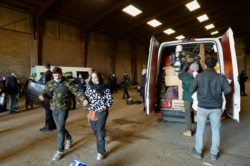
x,y
214,157
68,143
196,154
187,133
57,156
99,156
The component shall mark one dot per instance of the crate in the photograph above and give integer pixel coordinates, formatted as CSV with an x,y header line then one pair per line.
x,y
178,104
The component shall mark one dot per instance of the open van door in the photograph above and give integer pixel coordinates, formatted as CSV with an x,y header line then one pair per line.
x,y
231,72
151,88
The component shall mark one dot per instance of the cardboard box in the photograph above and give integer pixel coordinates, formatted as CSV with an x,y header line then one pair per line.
x,y
169,71
174,81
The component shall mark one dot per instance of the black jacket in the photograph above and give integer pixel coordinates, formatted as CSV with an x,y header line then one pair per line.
x,y
46,77
11,85
209,86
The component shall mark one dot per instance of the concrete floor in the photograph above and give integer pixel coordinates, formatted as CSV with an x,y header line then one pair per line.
x,y
133,139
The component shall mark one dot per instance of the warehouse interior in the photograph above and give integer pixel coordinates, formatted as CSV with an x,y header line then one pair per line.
x,y
82,31
97,34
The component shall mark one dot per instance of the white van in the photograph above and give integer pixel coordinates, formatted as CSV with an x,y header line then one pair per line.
x,y
38,71
164,89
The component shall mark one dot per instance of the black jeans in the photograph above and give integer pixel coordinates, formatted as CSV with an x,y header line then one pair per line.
x,y
49,121
98,128
125,92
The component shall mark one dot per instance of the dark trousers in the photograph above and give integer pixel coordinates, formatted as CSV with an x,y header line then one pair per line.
x,y
125,92
60,118
98,128
49,121
242,89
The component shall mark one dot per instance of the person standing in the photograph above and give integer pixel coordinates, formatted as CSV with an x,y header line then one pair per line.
x,y
100,100
58,90
72,97
210,87
11,89
125,83
187,78
49,122
113,82
242,79
143,86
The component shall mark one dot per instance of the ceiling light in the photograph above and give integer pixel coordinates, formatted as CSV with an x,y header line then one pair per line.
x,y
214,32
180,37
202,18
154,23
169,31
192,5
131,10
210,26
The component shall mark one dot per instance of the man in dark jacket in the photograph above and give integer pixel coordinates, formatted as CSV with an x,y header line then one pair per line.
x,y
125,83
49,122
11,88
142,87
242,79
209,86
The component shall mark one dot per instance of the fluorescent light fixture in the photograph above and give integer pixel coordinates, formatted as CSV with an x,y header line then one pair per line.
x,y
202,18
210,26
180,37
169,31
154,23
131,10
214,32
192,5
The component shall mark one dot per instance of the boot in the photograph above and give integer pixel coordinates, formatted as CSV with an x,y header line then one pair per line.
x,y
46,128
187,133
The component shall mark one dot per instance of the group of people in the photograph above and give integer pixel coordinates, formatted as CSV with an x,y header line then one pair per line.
x,y
209,86
96,98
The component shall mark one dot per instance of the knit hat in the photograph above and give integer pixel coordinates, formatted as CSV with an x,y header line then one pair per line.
x,y
194,67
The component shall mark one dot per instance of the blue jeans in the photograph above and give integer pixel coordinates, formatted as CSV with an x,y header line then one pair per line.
x,y
60,118
214,116
98,128
12,102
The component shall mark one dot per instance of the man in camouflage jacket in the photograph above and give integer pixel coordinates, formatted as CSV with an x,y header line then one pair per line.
x,y
57,90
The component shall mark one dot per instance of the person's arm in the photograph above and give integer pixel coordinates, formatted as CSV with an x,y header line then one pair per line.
x,y
226,86
73,89
194,85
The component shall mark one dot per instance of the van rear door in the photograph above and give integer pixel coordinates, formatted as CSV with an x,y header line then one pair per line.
x,y
231,72
151,89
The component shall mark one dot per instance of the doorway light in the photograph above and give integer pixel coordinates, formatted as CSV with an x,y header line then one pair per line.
x,y
180,37
210,26
214,32
202,18
192,5
169,31
131,10
154,23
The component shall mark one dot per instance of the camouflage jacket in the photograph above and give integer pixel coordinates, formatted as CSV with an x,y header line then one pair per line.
x,y
58,94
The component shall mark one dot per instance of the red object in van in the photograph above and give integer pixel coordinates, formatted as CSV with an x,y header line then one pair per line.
x,y
166,103
167,61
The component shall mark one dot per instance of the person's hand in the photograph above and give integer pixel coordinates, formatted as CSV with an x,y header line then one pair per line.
x,y
41,98
229,81
85,103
